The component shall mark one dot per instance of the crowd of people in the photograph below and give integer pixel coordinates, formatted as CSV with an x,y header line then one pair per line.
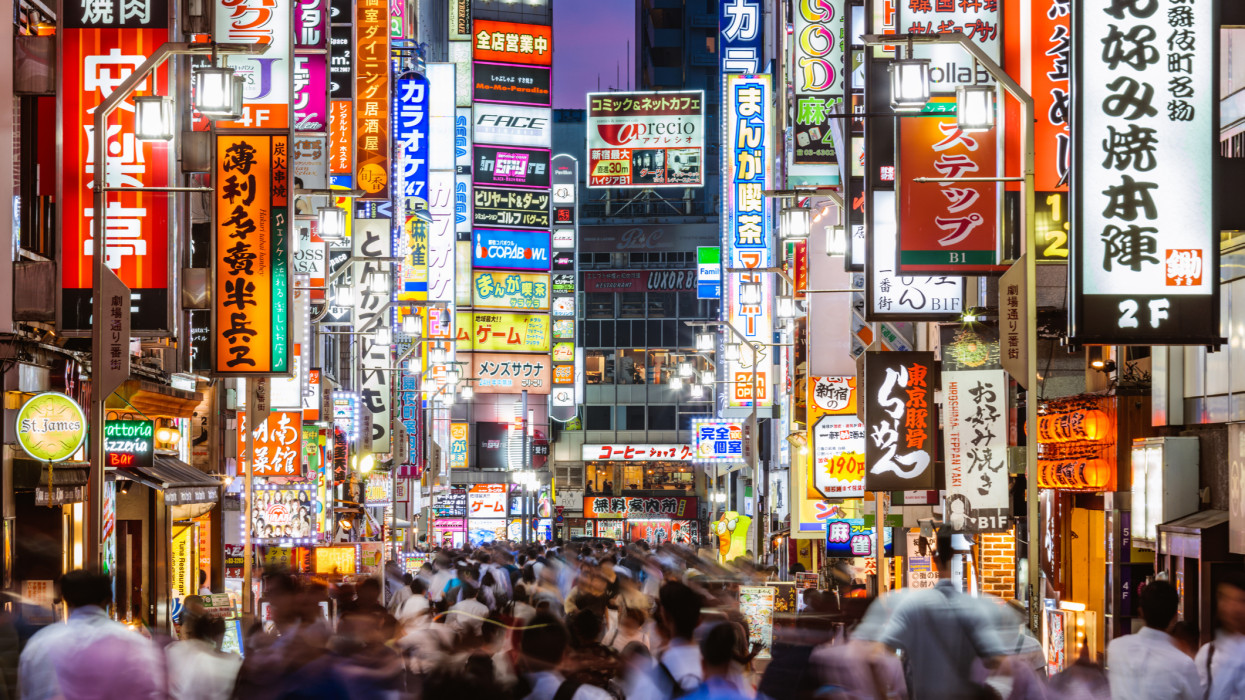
x,y
591,621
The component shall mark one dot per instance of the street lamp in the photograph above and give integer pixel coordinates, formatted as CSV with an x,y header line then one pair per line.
x,y
378,282
382,335
685,370
974,108
332,223
731,352
786,307
676,384
344,296
466,393
696,392
705,341
411,325
795,222
836,240
750,293
909,83
153,118
451,377
215,90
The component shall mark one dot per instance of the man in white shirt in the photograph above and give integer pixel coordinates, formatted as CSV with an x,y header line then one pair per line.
x,y
1221,663
1148,665
89,655
541,653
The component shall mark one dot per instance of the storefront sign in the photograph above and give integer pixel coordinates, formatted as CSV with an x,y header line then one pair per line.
x,y
640,281
266,97
746,231
512,125
451,503
460,20
252,255
893,297
974,416
742,25
675,507
511,291
129,443
511,166
718,441
502,332
508,42
277,443
372,238
1051,87
817,77
947,227
96,54
183,563
50,427
1145,267
341,560
411,133
311,107
341,145
284,513
458,446
502,373
900,413
371,50
510,250
511,84
950,65
646,139
311,19
837,455
486,501
638,453
376,489
846,539
510,208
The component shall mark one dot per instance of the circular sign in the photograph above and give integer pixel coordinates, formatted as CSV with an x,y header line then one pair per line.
x,y
51,427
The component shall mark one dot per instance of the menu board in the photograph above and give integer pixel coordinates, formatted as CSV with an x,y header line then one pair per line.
x,y
757,605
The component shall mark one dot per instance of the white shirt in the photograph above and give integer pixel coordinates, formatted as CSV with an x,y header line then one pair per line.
x,y
683,662
1148,666
546,683
1227,667
197,671
409,610
467,615
90,655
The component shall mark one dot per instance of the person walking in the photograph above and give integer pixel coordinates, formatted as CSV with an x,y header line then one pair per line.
x,y
1221,663
1148,665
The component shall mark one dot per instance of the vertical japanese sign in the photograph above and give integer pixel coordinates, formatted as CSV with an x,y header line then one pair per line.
x,y
266,103
1145,265
312,28
278,443
741,22
899,414
894,297
747,232
441,186
252,255
1051,87
975,443
463,215
950,65
101,43
371,50
311,106
371,239
817,64
566,392
837,441
946,227
458,445
507,42
411,136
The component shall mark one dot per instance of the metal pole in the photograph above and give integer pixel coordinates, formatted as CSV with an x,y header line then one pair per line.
x,y
757,521
524,459
879,548
248,607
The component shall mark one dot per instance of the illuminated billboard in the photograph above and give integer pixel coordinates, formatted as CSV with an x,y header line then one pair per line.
x,y
646,139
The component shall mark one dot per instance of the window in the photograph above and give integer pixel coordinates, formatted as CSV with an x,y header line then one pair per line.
x,y
661,305
631,305
600,304
599,417
631,368
599,367
689,305
634,418
661,417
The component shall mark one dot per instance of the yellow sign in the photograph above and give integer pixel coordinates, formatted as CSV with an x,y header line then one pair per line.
x,y
51,427
183,563
336,560
502,332
511,291
831,409
458,445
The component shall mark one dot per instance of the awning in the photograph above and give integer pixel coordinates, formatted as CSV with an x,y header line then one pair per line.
x,y
154,399
30,473
181,483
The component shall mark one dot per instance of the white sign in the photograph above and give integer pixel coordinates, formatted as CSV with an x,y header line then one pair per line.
x,y
905,297
441,153
486,501
951,65
267,80
839,457
1146,258
564,238
512,125
646,139
441,235
638,453
974,436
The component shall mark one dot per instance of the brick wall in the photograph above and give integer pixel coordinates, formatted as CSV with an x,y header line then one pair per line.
x,y
998,564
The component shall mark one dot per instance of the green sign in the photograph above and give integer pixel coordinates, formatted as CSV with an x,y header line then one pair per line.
x,y
51,427
129,443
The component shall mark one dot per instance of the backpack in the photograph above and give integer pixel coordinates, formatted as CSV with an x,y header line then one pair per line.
x,y
676,689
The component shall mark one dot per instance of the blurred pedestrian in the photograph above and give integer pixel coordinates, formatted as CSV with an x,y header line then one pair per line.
x,y
1221,663
718,654
542,651
1148,665
197,668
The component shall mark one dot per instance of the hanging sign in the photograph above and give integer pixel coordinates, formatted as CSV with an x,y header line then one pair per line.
x,y
950,65
129,443
974,438
837,437
718,441
1051,87
50,427
899,414
252,295
1145,265
458,448
278,442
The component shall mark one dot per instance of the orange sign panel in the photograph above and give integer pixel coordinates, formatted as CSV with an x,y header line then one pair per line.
x,y
372,97
508,42
278,443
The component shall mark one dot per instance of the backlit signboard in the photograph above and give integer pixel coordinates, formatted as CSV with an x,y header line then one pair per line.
x,y
311,105
950,65
512,125
900,413
837,440
278,443
718,441
974,438
510,250
371,49
486,501
511,291
1145,267
510,208
646,139
502,332
817,77
266,97
129,443
894,297
504,373
508,42
284,513
511,166
512,84
252,255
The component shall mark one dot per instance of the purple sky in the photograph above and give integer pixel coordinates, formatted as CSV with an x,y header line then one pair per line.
x,y
590,37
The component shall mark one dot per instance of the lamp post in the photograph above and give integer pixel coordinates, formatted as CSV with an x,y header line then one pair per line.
x,y
153,111
1030,271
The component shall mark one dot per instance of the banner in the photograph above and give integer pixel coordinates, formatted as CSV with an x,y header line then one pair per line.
x,y
278,443
511,291
974,416
252,255
1145,265
502,332
96,54
646,139
900,413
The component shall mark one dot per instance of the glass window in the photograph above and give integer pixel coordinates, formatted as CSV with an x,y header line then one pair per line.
x,y
607,335
635,418
660,367
675,476
670,334
590,331
661,418
600,478
600,304
638,336
598,417
599,368
631,305
689,305
661,305
687,336
622,333
631,367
